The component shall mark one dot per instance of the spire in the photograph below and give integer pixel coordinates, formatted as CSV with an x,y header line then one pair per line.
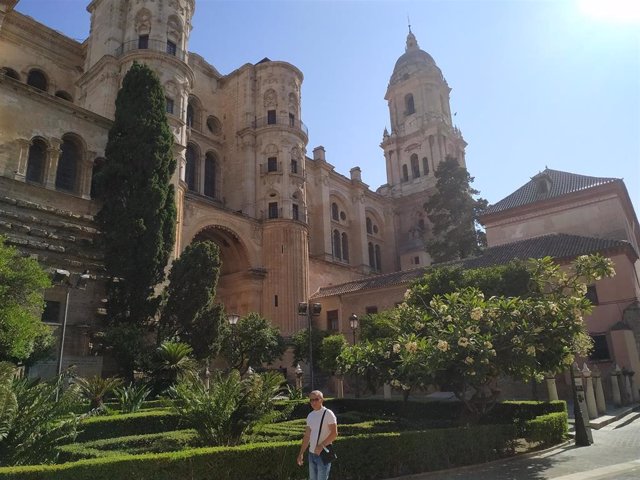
x,y
412,43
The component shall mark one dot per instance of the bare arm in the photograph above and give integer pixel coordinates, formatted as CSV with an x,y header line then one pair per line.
x,y
304,445
333,434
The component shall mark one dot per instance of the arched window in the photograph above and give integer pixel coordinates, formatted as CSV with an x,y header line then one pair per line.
x,y
409,106
337,244
372,257
68,165
335,214
10,72
210,175
214,125
98,165
64,95
37,79
345,247
36,161
378,258
425,165
415,166
369,226
190,115
405,173
190,171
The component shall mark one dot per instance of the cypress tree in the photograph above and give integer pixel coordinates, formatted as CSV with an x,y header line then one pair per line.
x,y
138,215
453,213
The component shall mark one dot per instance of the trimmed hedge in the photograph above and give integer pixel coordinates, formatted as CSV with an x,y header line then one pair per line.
x,y
360,458
547,429
128,424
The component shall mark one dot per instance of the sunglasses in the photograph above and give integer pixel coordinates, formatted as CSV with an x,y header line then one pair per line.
x,y
314,399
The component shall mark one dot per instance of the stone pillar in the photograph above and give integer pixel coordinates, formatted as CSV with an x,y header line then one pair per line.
x,y
51,167
86,175
635,390
23,158
589,392
597,381
551,388
615,385
340,386
627,395
386,388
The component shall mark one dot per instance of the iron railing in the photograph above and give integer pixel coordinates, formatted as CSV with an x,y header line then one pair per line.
x,y
281,120
153,45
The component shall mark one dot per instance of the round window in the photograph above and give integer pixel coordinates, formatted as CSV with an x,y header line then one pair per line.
x,y
343,216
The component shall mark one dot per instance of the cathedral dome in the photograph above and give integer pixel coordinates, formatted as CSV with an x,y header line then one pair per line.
x,y
413,60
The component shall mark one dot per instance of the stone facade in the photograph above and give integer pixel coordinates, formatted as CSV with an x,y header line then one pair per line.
x,y
286,223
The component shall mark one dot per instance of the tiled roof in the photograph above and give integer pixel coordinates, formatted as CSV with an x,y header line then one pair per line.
x,y
558,184
559,246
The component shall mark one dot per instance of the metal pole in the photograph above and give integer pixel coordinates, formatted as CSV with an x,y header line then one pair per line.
x,y
63,332
313,383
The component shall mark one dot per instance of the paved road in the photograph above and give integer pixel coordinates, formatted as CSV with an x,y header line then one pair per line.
x,y
615,454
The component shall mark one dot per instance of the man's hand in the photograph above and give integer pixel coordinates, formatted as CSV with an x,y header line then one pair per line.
x,y
300,459
318,449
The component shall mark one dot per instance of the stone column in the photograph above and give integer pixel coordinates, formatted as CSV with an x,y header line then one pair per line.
x,y
23,158
86,175
551,388
386,388
615,385
589,393
627,395
51,164
597,380
635,390
340,386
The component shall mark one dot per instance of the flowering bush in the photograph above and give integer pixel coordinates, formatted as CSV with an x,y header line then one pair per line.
x,y
462,341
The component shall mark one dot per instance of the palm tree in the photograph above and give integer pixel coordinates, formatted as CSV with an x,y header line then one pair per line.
x,y
96,388
172,363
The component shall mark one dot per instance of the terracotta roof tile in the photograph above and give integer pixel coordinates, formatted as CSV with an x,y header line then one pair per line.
x,y
559,246
558,183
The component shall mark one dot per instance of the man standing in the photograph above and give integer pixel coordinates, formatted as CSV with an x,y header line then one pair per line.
x,y
321,430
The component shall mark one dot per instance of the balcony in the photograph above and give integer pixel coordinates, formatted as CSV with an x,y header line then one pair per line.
x,y
167,48
280,120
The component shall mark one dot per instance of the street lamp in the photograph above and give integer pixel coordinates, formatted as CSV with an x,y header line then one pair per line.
x,y
353,323
63,278
310,310
233,318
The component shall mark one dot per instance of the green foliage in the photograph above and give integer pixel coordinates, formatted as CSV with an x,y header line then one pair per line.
x,y
330,349
547,429
463,342
453,213
131,398
95,389
138,214
32,421
22,285
144,422
252,342
294,393
300,341
231,409
172,363
190,312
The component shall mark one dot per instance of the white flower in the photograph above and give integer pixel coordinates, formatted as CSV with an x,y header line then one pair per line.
x,y
531,350
411,347
418,325
443,345
448,318
488,344
463,342
476,313
468,361
396,348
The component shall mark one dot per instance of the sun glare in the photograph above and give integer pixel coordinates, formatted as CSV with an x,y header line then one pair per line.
x,y
619,11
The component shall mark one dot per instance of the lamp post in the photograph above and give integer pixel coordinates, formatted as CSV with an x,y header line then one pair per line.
x,y
299,374
233,318
353,323
63,278
309,310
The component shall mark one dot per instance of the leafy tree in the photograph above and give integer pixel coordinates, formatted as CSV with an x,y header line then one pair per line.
x,y
453,213
330,349
190,313
22,285
138,214
252,342
32,422
463,341
300,341
231,409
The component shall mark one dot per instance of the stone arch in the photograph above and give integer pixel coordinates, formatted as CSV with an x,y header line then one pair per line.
x,y
233,252
339,199
192,157
194,113
377,222
10,72
212,179
71,163
37,159
38,79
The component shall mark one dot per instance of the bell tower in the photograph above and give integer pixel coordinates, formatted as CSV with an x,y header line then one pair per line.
x,y
422,135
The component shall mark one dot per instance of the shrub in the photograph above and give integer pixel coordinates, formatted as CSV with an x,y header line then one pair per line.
x,y
128,424
95,389
547,429
131,398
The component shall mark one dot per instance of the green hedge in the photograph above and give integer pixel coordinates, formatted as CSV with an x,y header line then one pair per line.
x,y
111,426
547,429
360,458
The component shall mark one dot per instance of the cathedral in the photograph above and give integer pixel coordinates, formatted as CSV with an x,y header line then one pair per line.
x,y
286,222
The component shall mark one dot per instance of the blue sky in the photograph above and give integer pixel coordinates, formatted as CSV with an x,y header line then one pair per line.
x,y
535,83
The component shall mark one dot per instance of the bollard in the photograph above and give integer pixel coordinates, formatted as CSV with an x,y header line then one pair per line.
x,y
615,385
589,393
635,388
627,395
551,388
583,435
386,388
597,384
